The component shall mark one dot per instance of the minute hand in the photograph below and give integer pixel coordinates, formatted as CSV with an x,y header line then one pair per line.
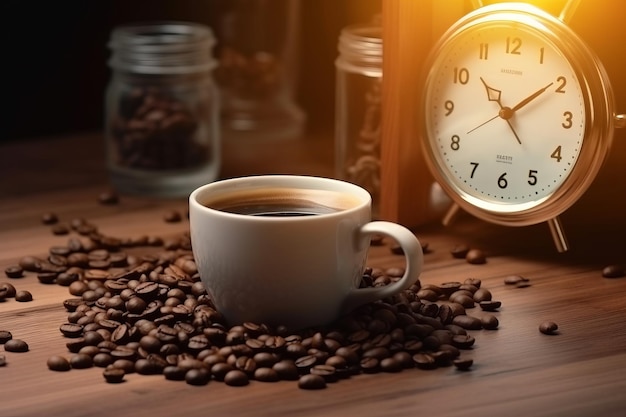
x,y
530,98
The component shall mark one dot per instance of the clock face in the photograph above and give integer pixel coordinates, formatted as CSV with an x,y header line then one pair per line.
x,y
505,116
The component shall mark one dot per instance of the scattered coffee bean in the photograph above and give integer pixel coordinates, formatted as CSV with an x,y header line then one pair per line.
x,y
475,257
490,305
14,271
23,296
16,345
7,289
460,251
548,327
5,336
81,361
58,363
311,382
463,364
108,198
515,279
490,322
613,271
172,216
113,375
60,229
197,376
49,218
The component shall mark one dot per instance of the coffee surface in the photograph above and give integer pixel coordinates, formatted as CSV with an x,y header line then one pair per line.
x,y
281,202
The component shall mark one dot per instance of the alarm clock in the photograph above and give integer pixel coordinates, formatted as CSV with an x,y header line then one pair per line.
x,y
517,116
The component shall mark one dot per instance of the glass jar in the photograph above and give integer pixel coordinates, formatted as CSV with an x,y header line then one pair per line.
x,y
258,65
162,109
358,108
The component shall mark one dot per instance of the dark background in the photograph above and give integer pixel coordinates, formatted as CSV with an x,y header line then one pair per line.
x,y
54,57
54,54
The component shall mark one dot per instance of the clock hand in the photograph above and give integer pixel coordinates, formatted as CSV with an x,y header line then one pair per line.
x,y
530,98
505,112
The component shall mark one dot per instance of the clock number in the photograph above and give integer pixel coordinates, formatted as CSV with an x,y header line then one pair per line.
x,y
562,81
484,51
541,52
455,143
513,45
568,120
449,106
556,154
475,165
532,177
461,75
502,182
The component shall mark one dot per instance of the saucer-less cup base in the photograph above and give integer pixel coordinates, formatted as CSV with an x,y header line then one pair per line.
x,y
296,271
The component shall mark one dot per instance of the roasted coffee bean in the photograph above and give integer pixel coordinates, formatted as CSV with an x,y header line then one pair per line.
x,y
490,322
286,369
23,296
463,341
102,360
476,257
390,365
71,330
5,336
60,229
463,364
197,376
8,290
58,363
613,271
172,216
549,327
81,361
174,373
113,374
108,197
460,251
482,294
49,218
424,361
266,375
47,277
16,345
490,305
311,382
236,378
14,271
514,279
467,322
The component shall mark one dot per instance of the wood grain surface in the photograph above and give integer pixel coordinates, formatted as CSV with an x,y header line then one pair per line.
x,y
517,370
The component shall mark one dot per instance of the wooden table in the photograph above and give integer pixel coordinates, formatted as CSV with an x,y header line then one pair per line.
x,y
517,370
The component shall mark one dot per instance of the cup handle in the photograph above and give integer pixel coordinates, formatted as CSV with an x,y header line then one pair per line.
x,y
414,260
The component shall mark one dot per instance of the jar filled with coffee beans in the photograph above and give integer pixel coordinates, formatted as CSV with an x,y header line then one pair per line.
x,y
162,109
358,107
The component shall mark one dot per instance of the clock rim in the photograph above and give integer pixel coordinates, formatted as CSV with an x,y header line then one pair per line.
x,y
598,103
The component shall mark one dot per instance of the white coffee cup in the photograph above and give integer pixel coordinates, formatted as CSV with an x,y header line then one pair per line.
x,y
299,268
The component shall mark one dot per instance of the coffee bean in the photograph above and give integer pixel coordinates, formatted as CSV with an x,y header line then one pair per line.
x,y
113,374
58,363
60,229
549,327
266,375
172,216
490,305
482,294
463,364
71,330
424,361
7,289
475,257
49,218
197,376
5,336
460,251
613,271
463,341
286,369
23,296
108,198
236,378
14,271
174,373
16,345
514,279
3,360
490,322
81,361
311,382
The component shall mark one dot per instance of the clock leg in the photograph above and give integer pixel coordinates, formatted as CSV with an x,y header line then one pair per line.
x,y
558,235
450,214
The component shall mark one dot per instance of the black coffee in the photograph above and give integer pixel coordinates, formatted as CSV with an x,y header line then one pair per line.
x,y
282,202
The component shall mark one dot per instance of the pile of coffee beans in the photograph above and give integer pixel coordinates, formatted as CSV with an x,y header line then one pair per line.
x,y
138,306
155,131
